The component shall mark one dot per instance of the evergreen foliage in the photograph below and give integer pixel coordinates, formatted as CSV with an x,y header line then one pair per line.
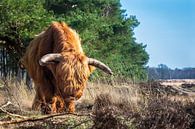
x,y
20,20
106,31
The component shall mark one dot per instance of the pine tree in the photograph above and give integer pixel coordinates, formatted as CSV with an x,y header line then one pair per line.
x,y
106,32
20,20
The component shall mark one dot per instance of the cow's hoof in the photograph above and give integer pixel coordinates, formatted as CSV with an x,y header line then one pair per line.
x,y
45,109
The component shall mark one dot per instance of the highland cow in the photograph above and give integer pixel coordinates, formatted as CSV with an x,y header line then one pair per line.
x,y
59,68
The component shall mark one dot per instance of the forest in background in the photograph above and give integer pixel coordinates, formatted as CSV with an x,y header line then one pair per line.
x,y
164,72
106,31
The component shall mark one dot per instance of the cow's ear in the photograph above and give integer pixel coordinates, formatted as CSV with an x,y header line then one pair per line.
x,y
50,59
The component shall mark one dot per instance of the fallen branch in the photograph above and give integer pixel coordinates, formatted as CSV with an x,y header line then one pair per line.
x,y
8,113
11,114
33,119
7,104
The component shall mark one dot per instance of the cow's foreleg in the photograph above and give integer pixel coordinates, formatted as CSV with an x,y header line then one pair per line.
x,y
57,105
60,107
53,105
36,103
70,104
40,104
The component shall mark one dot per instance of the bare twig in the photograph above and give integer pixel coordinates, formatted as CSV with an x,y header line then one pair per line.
x,y
11,114
8,113
32,119
7,104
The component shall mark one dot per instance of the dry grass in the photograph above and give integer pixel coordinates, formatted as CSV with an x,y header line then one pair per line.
x,y
118,94
17,93
134,106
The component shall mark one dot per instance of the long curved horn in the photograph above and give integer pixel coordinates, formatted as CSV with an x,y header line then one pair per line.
x,y
50,58
99,65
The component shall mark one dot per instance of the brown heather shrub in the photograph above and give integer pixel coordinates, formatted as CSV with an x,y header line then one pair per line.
x,y
161,113
158,112
190,109
107,114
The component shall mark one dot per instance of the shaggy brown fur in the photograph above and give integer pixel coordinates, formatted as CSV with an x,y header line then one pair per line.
x,y
61,82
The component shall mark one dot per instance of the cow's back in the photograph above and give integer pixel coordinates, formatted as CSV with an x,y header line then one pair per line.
x,y
58,38
37,48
